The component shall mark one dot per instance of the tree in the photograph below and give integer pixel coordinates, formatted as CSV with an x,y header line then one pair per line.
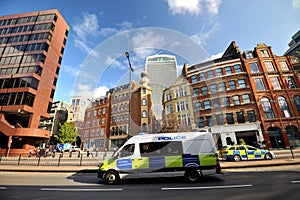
x,y
67,134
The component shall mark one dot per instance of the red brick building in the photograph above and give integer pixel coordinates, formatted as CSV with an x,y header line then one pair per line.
x,y
96,125
31,50
275,84
250,95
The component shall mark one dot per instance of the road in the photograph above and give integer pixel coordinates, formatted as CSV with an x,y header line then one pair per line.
x,y
258,183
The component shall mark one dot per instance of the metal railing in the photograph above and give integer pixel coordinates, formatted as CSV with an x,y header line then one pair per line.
x,y
58,159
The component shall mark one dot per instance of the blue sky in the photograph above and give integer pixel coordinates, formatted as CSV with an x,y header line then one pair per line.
x,y
102,30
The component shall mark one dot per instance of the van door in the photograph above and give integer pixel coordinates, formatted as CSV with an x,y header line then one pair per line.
x,y
125,157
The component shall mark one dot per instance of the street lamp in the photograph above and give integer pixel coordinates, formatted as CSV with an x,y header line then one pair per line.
x,y
130,70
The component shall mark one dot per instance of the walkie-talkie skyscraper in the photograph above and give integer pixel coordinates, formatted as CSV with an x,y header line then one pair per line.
x,y
162,70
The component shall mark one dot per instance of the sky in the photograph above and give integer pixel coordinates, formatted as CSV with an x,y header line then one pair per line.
x,y
101,31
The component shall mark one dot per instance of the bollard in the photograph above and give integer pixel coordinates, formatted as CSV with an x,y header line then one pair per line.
x,y
291,148
80,160
70,154
78,155
59,157
19,160
38,164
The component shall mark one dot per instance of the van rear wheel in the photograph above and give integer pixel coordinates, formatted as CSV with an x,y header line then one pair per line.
x,y
192,175
111,177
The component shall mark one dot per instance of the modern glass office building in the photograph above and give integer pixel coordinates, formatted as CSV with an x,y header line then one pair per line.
x,y
31,51
162,70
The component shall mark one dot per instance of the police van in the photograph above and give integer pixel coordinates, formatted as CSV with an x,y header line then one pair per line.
x,y
193,154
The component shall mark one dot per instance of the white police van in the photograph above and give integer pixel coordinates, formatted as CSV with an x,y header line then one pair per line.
x,y
151,155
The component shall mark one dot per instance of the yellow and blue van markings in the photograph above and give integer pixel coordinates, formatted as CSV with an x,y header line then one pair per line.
x,y
159,162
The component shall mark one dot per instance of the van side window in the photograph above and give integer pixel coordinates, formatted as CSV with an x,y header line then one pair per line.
x,y
128,150
161,148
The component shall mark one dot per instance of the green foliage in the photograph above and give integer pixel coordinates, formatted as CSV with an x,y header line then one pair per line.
x,y
67,134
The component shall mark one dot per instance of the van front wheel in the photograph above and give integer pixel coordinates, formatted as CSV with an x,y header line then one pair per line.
x,y
192,175
111,177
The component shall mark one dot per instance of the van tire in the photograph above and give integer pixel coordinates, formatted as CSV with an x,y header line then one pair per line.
x,y
192,175
111,177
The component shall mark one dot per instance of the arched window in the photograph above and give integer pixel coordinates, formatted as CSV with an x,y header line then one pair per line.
x,y
266,105
144,127
144,113
297,103
144,102
284,107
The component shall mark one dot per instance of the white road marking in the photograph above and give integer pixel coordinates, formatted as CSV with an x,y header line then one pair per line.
x,y
210,187
80,189
295,181
3,188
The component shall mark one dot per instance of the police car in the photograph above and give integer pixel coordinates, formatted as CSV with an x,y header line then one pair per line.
x,y
245,152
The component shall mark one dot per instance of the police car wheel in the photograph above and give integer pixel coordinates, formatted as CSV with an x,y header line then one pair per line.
x,y
236,158
111,177
192,175
268,156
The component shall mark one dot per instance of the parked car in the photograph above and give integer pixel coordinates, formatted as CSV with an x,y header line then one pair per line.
x,y
74,149
245,152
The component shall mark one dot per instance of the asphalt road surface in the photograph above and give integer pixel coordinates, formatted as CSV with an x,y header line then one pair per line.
x,y
258,183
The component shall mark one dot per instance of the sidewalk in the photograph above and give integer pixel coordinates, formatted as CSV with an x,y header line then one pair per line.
x,y
93,169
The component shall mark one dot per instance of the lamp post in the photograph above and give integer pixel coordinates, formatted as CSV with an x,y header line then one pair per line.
x,y
130,70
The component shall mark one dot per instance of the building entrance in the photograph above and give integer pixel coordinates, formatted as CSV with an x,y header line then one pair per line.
x,y
276,138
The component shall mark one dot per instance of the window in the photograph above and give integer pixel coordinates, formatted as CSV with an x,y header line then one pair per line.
x,y
231,85
209,121
259,83
213,88
194,79
144,91
242,83
144,127
206,104
290,81
144,113
249,54
229,118
267,108
196,92
219,72
254,67
202,76
237,68
269,66
210,74
198,105
236,100
200,122
128,150
284,107
275,83
251,116
297,103
219,119
264,53
144,102
204,90
283,66
246,98
216,103
226,101
240,117
228,70
222,86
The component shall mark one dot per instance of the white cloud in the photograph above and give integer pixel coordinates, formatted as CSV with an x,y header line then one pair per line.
x,y
88,29
194,6
183,7
213,6
296,3
100,91
201,38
